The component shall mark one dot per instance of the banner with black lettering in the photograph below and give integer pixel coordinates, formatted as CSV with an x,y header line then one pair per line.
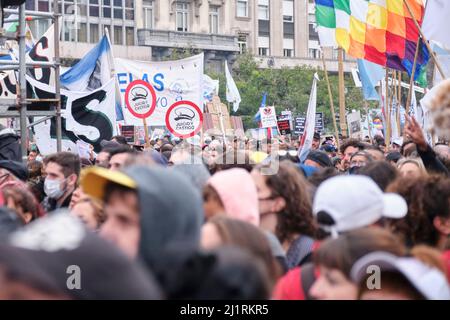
x,y
86,116
172,80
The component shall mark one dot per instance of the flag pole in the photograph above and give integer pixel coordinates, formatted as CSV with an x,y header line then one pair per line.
x,y
330,95
342,119
399,102
424,39
411,81
387,111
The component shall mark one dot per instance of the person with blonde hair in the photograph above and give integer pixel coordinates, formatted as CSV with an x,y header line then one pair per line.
x,y
411,167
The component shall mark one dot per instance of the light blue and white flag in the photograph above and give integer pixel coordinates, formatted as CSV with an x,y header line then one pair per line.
x,y
92,72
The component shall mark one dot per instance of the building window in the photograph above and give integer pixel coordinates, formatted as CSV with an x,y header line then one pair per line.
x,y
69,31
314,53
148,14
129,36
106,8
93,8
93,33
242,43
214,19
118,9
182,16
118,37
263,10
263,51
242,8
288,10
82,33
288,52
129,9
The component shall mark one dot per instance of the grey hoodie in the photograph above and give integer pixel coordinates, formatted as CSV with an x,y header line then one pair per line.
x,y
171,211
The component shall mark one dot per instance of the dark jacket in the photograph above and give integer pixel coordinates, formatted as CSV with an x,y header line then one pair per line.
x,y
50,205
431,162
10,145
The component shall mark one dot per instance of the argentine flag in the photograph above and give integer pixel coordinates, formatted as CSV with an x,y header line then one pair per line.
x,y
92,72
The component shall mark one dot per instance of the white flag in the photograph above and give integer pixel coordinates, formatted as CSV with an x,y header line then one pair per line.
x,y
233,95
307,138
394,123
436,22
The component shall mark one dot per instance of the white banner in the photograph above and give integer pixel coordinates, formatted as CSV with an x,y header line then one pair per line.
x,y
354,125
268,117
172,80
86,116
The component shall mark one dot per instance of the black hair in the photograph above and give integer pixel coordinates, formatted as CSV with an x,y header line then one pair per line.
x,y
120,139
111,188
121,149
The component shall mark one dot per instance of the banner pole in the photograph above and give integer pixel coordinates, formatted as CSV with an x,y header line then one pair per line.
x,y
330,96
342,120
147,139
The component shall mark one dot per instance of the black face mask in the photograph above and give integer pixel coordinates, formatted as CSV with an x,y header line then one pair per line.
x,y
353,170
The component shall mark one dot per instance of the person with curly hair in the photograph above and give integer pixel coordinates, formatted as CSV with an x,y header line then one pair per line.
x,y
348,148
285,210
428,218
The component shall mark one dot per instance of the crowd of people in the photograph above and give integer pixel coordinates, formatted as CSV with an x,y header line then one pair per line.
x,y
238,219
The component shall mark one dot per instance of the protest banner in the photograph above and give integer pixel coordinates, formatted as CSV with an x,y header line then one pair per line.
x,y
184,119
268,117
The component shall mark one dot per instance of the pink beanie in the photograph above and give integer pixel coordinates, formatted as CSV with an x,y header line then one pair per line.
x,y
238,193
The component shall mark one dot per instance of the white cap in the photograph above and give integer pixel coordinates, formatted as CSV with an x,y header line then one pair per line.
x,y
355,201
398,141
430,282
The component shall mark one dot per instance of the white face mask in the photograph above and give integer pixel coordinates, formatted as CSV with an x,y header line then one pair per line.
x,y
52,188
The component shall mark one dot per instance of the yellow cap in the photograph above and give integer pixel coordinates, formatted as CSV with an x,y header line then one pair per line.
x,y
94,180
258,156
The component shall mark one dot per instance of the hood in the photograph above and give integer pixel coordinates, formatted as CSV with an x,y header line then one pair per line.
x,y
238,194
196,173
171,211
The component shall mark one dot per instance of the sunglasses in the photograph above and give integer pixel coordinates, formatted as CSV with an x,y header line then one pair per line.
x,y
283,153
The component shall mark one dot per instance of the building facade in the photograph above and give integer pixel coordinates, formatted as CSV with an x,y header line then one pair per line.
x,y
279,33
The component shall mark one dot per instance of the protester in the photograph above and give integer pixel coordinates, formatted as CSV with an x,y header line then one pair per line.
x,y
233,193
341,204
40,261
348,148
9,144
411,167
61,175
90,212
221,231
12,173
285,210
375,152
316,141
359,159
393,156
318,159
335,258
428,218
431,162
118,156
196,173
22,202
381,172
143,219
401,278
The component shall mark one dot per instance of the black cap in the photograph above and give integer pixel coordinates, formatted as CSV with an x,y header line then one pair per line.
x,y
316,136
18,169
319,157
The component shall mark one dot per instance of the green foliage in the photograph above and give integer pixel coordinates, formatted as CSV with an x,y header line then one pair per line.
x,y
287,89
